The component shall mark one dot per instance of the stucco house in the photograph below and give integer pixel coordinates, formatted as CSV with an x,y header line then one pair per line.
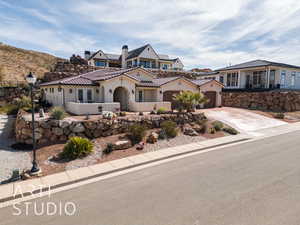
x,y
257,74
133,89
144,56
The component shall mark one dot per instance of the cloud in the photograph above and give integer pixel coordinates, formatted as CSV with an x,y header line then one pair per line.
x,y
202,33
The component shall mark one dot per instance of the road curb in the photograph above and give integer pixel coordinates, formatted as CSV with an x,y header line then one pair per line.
x,y
71,181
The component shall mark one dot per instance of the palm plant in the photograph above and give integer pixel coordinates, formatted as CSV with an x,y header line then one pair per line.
x,y
187,100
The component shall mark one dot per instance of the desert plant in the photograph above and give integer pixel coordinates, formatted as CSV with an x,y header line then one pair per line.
x,y
9,109
122,114
152,112
212,130
136,133
187,100
218,125
57,113
279,115
230,130
161,110
169,128
77,147
109,148
141,113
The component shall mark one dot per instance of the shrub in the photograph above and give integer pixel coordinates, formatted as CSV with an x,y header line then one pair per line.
x,y
136,133
161,111
218,125
162,134
24,103
169,127
212,130
152,112
77,147
230,130
122,114
141,113
109,148
9,109
57,113
279,115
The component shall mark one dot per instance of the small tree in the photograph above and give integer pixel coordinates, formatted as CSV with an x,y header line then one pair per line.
x,y
187,100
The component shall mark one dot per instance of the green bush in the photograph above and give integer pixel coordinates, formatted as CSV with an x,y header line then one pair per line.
x,y
279,115
109,148
230,130
24,103
77,147
169,128
218,125
57,113
136,133
161,111
9,109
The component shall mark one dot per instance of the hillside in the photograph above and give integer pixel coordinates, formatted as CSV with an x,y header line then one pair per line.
x,y
15,63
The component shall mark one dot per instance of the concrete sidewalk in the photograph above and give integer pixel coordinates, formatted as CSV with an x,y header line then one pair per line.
x,y
27,187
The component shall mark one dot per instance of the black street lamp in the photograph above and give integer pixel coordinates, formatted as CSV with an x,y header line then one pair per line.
x,y
31,79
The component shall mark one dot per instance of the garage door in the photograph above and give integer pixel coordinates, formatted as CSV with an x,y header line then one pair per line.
x,y
168,97
211,96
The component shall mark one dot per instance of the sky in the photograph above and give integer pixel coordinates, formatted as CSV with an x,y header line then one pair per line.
x,y
202,33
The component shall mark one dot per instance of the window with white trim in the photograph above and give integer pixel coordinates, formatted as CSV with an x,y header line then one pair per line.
x,y
232,79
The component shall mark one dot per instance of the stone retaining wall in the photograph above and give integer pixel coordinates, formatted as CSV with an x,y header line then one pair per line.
x,y
8,94
268,100
51,131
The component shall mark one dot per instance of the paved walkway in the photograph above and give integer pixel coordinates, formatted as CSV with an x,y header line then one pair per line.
x,y
9,158
241,119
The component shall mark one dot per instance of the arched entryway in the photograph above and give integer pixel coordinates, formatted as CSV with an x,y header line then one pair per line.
x,y
121,95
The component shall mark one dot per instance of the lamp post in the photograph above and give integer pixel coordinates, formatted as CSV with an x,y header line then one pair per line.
x,y
31,79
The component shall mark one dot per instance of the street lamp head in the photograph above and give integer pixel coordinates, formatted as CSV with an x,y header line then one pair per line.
x,y
30,78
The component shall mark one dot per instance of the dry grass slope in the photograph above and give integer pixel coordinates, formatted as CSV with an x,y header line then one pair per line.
x,y
16,62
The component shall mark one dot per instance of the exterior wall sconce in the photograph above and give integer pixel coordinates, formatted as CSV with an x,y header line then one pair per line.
x,y
132,91
160,92
110,91
97,91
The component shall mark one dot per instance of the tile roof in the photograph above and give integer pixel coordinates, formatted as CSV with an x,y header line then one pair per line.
x,y
257,63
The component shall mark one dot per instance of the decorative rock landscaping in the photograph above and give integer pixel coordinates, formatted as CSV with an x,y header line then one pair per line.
x,y
268,100
49,130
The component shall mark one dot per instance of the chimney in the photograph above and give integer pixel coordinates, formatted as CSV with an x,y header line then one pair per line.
x,y
87,54
124,56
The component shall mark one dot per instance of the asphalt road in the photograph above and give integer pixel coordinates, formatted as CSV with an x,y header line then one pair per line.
x,y
252,183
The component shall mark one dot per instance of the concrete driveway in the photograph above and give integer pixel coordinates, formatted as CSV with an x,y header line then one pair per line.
x,y
243,120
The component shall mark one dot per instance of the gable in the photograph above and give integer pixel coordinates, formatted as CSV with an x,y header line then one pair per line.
x,y
178,63
149,53
99,55
141,74
180,82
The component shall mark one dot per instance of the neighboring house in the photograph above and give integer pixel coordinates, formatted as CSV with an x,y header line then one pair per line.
x,y
258,74
134,89
144,56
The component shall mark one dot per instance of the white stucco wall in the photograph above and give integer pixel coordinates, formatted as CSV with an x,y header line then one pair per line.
x,y
114,83
90,108
149,106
